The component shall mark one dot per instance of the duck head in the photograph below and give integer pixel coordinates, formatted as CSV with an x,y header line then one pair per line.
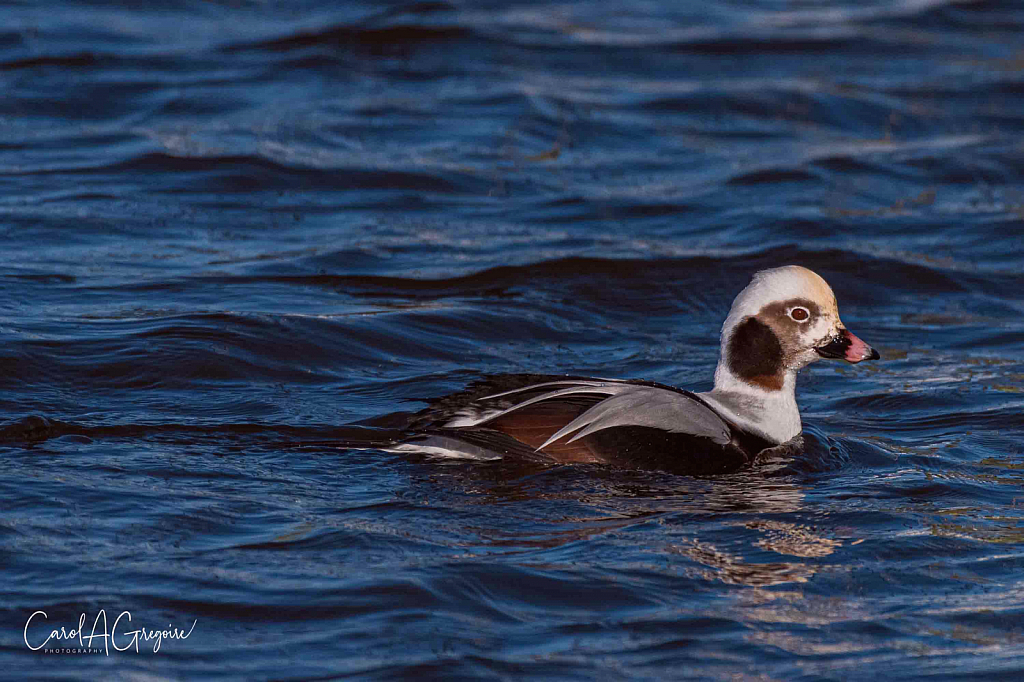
x,y
785,319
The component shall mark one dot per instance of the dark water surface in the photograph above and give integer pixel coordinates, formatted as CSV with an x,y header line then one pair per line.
x,y
230,229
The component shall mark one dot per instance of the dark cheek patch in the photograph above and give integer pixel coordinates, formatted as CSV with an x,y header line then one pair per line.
x,y
755,354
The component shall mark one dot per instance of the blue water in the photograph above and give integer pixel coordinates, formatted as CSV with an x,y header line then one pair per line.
x,y
232,229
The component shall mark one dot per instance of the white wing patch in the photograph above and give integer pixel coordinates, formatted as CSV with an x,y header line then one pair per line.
x,y
625,405
448,448
471,416
647,406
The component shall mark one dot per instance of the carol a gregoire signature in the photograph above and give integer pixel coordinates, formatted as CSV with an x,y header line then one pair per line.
x,y
122,640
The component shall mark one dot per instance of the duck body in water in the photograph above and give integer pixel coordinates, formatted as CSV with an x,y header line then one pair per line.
x,y
782,321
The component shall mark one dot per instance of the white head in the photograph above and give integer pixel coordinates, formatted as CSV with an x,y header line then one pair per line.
x,y
785,319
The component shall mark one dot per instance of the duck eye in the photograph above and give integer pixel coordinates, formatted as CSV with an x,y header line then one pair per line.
x,y
799,314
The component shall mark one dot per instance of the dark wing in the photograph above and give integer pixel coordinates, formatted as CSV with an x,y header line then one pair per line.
x,y
608,404
570,419
481,397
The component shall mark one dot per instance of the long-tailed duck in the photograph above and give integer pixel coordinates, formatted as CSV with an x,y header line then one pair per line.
x,y
785,319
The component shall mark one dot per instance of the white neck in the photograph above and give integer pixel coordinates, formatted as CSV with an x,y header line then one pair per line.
x,y
772,414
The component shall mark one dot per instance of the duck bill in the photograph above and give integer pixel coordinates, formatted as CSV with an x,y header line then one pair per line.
x,y
849,347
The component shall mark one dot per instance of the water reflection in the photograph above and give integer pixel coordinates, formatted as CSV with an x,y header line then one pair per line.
x,y
720,527
732,569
